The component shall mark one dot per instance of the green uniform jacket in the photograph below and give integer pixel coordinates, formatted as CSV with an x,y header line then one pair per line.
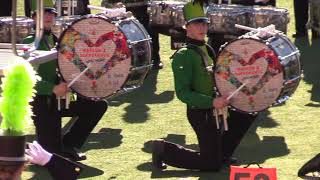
x,y
193,84
47,71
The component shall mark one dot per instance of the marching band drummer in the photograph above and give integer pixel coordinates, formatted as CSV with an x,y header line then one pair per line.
x,y
194,86
216,40
47,117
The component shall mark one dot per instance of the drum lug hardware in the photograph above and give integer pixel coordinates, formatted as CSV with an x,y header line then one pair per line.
x,y
292,80
289,55
281,100
136,42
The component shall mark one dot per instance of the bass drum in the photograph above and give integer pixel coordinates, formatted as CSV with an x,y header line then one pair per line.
x,y
269,68
115,55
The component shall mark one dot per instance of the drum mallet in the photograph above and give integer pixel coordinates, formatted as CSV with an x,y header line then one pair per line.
x,y
224,111
73,81
259,29
69,85
97,7
109,11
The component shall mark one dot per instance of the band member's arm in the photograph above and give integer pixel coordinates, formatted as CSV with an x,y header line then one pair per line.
x,y
182,71
59,167
47,73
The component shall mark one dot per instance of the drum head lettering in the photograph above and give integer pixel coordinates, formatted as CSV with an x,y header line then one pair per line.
x,y
96,46
249,62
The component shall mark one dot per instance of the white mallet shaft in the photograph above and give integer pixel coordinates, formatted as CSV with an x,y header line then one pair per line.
x,y
225,116
216,117
59,103
236,91
67,100
245,27
77,77
97,8
255,29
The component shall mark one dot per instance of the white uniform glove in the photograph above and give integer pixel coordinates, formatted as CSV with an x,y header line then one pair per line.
x,y
37,155
115,12
267,31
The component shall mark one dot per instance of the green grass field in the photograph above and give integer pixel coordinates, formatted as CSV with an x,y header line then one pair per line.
x,y
119,148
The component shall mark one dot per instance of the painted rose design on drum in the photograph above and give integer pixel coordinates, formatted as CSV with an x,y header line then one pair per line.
x,y
99,43
257,68
68,49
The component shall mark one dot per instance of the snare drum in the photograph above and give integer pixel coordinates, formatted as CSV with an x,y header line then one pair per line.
x,y
116,54
161,13
24,27
177,17
61,23
264,16
269,68
224,17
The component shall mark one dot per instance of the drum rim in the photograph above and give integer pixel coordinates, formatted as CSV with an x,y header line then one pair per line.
x,y
283,75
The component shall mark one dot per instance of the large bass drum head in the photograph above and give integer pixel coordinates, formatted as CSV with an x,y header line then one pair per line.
x,y
96,42
252,62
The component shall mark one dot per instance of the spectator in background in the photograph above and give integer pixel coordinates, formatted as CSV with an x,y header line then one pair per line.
x,y
314,20
5,8
301,14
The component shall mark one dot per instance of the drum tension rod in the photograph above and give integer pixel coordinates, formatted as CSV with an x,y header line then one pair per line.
x,y
136,42
289,55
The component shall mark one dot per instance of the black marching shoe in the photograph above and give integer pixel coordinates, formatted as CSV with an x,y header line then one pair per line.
x,y
72,154
312,165
230,161
157,151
